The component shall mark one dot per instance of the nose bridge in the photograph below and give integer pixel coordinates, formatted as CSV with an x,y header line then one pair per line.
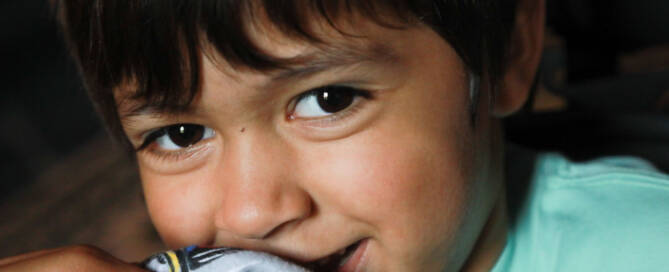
x,y
260,194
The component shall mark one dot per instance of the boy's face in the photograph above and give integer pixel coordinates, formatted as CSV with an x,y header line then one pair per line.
x,y
389,160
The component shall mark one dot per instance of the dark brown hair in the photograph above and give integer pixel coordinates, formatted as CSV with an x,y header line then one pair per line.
x,y
153,44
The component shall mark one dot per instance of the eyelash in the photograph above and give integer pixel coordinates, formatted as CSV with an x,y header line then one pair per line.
x,y
169,155
160,154
152,136
337,116
334,117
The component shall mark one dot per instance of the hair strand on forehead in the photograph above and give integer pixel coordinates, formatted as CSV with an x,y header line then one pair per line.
x,y
158,44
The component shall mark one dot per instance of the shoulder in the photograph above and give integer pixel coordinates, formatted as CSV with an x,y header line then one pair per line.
x,y
556,171
610,186
608,214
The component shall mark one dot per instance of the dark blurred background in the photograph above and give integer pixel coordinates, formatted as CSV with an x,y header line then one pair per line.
x,y
62,180
43,108
604,90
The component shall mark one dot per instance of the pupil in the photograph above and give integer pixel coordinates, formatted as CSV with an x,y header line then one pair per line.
x,y
185,135
334,101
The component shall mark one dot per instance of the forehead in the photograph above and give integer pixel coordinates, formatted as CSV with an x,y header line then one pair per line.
x,y
350,40
333,44
350,30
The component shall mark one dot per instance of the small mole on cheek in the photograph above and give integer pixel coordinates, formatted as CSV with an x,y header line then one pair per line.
x,y
242,130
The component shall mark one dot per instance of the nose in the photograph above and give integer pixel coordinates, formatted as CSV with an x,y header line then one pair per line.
x,y
260,195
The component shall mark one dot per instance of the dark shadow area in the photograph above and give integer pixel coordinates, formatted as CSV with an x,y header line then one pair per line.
x,y
608,63
62,181
43,107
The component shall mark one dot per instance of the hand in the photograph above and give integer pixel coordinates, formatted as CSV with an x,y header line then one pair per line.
x,y
74,258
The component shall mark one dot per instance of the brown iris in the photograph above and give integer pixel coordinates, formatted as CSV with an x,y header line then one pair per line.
x,y
334,98
185,135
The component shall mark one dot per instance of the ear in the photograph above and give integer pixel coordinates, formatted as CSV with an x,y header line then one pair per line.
x,y
525,53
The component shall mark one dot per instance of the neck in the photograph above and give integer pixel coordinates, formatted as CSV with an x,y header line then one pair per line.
x,y
492,240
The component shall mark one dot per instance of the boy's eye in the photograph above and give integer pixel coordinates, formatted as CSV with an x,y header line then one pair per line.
x,y
180,136
326,101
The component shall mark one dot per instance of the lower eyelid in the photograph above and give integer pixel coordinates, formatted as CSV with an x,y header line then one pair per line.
x,y
177,163
161,156
339,116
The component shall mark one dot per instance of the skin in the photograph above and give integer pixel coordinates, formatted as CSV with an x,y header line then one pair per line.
x,y
404,169
392,171
71,258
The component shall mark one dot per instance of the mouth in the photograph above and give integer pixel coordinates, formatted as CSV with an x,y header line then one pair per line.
x,y
344,260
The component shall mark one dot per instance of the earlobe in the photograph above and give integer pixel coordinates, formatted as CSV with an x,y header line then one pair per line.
x,y
524,56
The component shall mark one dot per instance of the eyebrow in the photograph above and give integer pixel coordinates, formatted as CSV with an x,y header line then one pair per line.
x,y
331,58
299,67
148,109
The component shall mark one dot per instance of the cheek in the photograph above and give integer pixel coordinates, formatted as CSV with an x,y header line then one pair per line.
x,y
410,177
410,190
400,183
178,208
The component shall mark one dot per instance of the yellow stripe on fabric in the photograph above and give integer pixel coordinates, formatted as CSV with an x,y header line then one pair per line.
x,y
175,261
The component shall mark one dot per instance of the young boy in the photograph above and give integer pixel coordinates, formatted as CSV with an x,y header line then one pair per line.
x,y
307,129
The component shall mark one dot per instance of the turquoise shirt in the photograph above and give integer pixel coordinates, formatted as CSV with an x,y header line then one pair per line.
x,y
610,214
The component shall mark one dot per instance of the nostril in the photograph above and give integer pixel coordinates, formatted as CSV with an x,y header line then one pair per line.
x,y
256,188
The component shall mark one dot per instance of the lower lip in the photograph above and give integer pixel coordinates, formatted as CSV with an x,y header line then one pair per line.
x,y
356,259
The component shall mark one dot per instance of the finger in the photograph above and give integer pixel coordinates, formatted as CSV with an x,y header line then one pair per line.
x,y
29,255
72,259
